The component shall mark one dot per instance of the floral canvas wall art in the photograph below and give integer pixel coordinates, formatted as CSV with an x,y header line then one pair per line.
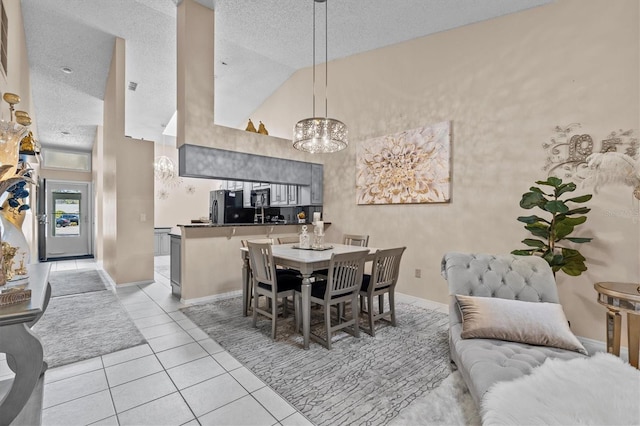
x,y
409,167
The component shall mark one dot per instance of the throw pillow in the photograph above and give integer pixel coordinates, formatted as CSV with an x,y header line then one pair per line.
x,y
534,323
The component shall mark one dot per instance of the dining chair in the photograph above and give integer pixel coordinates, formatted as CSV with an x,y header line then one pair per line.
x,y
355,240
270,282
384,276
288,239
343,283
258,240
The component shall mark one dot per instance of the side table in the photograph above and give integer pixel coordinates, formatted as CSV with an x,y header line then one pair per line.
x,y
621,297
24,351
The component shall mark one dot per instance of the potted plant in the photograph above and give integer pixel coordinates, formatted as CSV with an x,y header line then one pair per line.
x,y
552,230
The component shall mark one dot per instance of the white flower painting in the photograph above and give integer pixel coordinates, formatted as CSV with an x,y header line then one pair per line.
x,y
409,167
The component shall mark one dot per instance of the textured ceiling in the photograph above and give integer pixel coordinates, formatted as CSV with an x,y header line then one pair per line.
x,y
261,42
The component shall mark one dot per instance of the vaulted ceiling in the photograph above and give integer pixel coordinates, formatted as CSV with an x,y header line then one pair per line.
x,y
258,46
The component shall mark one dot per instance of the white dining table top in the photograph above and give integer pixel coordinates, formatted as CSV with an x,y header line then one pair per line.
x,y
287,251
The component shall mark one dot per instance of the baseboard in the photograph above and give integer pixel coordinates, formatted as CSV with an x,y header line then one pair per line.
x,y
425,303
207,299
592,346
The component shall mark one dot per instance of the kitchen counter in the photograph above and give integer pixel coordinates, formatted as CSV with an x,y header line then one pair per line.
x,y
205,257
227,225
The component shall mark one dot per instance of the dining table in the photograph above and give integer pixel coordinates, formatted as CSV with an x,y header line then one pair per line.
x,y
306,261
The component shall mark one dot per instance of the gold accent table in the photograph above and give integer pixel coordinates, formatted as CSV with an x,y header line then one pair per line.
x,y
621,297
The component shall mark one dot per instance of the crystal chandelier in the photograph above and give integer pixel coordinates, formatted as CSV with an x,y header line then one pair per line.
x,y
320,134
164,168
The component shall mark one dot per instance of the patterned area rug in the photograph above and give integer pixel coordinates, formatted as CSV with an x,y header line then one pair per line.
x,y
83,326
64,283
360,381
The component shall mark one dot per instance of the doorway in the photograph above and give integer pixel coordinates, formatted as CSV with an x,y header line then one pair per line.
x,y
66,224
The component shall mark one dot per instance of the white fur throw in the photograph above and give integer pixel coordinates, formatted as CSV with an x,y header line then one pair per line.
x,y
601,390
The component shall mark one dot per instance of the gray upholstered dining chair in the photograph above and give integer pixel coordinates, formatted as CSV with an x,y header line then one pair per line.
x,y
384,276
269,282
342,285
355,240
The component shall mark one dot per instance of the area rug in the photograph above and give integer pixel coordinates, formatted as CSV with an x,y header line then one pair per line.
x,y
448,404
359,381
601,390
64,283
83,326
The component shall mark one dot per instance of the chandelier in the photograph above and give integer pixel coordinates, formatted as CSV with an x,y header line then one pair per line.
x,y
164,169
320,134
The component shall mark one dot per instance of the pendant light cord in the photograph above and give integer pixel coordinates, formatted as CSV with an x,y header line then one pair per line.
x,y
326,55
313,107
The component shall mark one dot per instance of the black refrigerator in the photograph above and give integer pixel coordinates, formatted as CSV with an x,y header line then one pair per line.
x,y
226,207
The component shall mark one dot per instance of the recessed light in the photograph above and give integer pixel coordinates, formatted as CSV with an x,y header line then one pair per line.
x,y
64,132
66,70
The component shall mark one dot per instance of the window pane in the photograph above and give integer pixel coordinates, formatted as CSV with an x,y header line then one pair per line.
x,y
67,214
66,160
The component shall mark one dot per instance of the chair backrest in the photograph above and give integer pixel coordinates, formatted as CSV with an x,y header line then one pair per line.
x,y
345,273
527,278
262,267
258,240
355,240
288,239
385,268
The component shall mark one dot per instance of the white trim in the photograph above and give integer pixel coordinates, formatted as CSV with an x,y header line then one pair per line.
x,y
207,299
592,346
130,284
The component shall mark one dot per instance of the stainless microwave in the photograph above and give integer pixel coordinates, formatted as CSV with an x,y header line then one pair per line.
x,y
261,198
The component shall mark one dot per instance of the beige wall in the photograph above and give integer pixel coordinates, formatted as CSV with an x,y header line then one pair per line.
x,y
180,200
17,80
504,84
126,187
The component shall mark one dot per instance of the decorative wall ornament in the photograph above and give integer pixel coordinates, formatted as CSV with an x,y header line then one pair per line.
x,y
568,150
162,194
409,167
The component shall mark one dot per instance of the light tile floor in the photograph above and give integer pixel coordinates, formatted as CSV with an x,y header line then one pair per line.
x,y
181,377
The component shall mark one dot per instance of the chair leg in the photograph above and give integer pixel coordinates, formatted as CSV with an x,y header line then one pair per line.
x,y
370,314
285,304
361,304
256,302
381,303
354,314
392,307
340,312
327,324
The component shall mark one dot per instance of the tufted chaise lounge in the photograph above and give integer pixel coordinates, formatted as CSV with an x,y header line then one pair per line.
x,y
483,362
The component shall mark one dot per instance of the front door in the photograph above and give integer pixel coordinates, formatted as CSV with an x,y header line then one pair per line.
x,y
68,225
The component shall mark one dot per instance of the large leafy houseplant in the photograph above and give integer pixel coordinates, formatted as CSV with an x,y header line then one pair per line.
x,y
551,231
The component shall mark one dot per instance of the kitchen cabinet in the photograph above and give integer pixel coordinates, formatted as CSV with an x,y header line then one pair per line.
x,y
292,195
161,241
278,194
284,195
174,265
235,185
246,194
311,195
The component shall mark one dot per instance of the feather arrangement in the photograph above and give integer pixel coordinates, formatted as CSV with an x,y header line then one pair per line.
x,y
613,168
